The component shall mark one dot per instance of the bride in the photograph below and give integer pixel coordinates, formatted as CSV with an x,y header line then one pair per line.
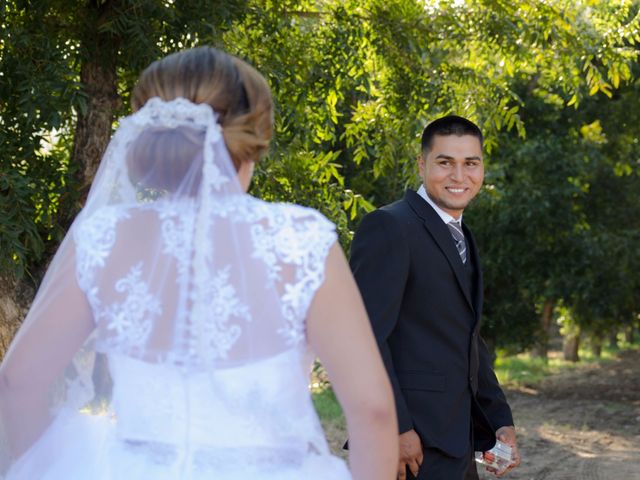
x,y
173,333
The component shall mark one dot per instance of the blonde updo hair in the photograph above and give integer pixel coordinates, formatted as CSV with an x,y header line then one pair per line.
x,y
237,92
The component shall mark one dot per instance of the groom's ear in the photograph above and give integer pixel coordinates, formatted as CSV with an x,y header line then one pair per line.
x,y
421,163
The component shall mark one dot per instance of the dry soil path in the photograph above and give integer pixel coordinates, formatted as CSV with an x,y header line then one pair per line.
x,y
583,424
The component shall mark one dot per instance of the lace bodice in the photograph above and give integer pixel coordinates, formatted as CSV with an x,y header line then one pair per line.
x,y
287,243
232,372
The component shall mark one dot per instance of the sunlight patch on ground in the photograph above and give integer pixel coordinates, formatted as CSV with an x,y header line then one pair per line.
x,y
589,444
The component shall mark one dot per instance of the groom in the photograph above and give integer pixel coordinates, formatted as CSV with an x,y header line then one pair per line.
x,y
418,270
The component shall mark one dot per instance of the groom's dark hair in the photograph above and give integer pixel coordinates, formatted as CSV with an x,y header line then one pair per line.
x,y
449,125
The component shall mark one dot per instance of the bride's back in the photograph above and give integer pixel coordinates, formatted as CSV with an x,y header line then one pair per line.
x,y
205,360
154,298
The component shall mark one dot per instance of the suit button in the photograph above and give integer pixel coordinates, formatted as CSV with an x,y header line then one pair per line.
x,y
471,379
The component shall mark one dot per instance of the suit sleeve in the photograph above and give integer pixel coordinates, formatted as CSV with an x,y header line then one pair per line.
x,y
380,264
490,396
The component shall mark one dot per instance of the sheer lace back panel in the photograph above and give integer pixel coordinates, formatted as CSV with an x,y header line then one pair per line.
x,y
149,304
231,337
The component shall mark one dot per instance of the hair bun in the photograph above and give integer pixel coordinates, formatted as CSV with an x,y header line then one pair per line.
x,y
237,92
245,139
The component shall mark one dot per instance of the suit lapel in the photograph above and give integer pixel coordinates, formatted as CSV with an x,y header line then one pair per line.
x,y
440,233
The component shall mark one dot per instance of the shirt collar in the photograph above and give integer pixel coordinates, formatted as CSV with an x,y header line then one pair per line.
x,y
446,218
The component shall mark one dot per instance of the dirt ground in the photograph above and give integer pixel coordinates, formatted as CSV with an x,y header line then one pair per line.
x,y
583,424
579,425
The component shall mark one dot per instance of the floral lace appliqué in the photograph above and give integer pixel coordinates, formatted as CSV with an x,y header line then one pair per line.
x,y
132,319
219,298
297,237
94,239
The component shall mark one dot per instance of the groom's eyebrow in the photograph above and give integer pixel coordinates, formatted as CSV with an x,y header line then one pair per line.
x,y
444,156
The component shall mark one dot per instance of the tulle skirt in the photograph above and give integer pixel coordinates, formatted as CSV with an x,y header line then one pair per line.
x,y
83,447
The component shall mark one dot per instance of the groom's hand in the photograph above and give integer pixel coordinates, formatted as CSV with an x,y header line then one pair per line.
x,y
410,454
508,435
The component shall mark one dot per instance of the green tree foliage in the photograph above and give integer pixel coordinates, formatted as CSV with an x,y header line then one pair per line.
x,y
354,83
563,207
607,284
47,47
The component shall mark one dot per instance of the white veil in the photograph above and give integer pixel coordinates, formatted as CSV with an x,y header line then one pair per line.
x,y
170,264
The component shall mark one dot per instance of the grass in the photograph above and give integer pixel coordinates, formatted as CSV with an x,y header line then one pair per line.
x,y
327,405
332,418
525,370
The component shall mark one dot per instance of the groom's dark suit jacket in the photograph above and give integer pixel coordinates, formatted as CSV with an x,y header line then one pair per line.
x,y
425,306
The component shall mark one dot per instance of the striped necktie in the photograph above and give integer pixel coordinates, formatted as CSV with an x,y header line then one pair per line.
x,y
458,238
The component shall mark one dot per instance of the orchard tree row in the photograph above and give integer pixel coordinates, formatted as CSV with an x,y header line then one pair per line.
x,y
552,83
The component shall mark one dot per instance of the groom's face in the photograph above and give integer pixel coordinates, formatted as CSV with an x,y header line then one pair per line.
x,y
452,171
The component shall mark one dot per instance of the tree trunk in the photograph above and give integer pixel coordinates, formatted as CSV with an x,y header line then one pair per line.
x,y
613,340
98,75
541,349
9,316
15,298
570,346
596,347
630,334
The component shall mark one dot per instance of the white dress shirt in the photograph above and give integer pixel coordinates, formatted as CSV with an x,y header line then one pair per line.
x,y
446,218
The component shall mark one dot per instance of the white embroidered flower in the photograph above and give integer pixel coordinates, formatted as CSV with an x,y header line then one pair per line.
x,y
217,298
292,236
94,238
132,319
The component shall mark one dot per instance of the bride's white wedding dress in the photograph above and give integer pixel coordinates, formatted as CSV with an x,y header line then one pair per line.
x,y
175,324
169,420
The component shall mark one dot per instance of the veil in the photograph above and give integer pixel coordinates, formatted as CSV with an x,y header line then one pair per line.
x,y
169,267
